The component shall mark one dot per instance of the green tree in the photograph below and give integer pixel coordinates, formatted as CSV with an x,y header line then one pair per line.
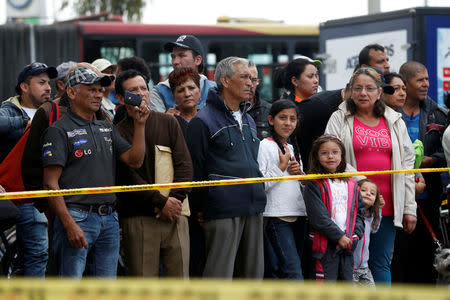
x,y
130,10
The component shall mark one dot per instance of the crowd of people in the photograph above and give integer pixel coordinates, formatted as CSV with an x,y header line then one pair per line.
x,y
189,128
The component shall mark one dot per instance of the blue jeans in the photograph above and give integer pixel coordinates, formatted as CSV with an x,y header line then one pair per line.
x,y
380,251
102,236
287,240
32,236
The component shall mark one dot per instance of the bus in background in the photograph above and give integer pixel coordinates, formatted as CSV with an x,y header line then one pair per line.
x,y
266,43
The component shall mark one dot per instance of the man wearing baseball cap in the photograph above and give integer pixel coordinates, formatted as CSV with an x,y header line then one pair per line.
x,y
33,89
186,51
80,151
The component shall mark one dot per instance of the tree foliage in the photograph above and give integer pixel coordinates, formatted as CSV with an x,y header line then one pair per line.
x,y
130,10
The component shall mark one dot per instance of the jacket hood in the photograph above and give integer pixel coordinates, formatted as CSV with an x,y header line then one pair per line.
x,y
13,102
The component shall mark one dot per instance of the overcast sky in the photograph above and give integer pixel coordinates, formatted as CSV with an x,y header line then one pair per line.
x,y
207,11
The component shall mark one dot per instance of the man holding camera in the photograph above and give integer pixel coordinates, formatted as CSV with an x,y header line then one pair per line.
x,y
80,151
152,223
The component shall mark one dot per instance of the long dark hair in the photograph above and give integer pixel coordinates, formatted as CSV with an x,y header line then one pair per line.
x,y
373,211
277,107
315,167
282,75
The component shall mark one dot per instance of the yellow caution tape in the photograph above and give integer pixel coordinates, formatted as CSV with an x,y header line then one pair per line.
x,y
169,289
196,184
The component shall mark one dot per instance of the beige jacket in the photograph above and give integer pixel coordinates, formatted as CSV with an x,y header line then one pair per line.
x,y
403,156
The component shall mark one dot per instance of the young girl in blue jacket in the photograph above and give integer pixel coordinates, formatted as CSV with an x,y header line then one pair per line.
x,y
335,210
285,212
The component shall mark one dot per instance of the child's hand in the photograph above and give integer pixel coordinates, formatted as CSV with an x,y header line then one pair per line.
x,y
382,202
294,167
345,242
284,159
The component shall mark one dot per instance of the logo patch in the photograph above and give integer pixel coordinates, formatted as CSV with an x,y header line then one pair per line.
x,y
76,132
46,145
105,129
79,153
48,153
80,142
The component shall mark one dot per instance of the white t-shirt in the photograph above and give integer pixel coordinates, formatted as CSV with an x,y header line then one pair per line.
x,y
339,193
30,112
238,117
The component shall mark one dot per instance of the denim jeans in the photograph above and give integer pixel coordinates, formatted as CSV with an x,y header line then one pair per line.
x,y
287,240
102,236
380,251
32,236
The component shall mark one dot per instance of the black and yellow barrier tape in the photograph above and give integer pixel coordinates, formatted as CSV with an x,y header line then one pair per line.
x,y
196,184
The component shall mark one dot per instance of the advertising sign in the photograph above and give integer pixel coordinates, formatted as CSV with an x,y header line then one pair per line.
x,y
342,54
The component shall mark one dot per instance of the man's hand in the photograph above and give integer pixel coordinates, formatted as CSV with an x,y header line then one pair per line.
x,y
427,162
172,210
409,223
345,242
420,185
76,236
139,114
201,219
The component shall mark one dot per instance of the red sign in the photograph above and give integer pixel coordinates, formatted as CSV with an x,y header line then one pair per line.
x,y
446,72
446,86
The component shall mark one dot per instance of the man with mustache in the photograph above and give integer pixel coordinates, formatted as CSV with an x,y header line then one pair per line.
x,y
33,89
426,121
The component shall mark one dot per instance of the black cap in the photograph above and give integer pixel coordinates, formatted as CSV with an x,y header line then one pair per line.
x,y
34,69
187,42
387,89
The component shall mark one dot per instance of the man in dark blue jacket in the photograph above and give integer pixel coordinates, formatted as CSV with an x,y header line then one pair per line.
x,y
426,121
223,144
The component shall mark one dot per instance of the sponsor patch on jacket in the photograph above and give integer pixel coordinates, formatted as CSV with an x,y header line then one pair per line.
x,y
79,153
48,153
76,132
105,129
80,142
46,145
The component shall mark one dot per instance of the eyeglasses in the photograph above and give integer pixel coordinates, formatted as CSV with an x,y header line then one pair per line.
x,y
328,153
369,89
255,81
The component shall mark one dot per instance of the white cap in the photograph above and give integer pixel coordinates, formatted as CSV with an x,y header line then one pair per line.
x,y
102,64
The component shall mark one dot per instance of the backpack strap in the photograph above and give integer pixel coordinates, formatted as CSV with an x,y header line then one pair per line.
x,y
54,114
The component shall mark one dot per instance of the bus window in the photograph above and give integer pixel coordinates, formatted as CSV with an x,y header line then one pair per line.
x,y
263,53
113,54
